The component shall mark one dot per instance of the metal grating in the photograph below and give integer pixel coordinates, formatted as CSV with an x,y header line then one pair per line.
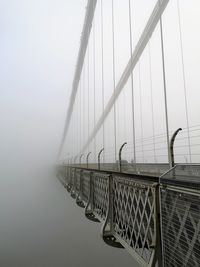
x,y
72,180
68,175
78,181
134,215
85,185
180,228
100,194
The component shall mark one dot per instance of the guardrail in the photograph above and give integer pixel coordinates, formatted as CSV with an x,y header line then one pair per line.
x,y
156,220
180,209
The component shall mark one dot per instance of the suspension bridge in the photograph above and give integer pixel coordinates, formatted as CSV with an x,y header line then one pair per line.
x,y
130,150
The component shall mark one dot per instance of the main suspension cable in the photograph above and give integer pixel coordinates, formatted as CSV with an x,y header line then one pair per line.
x,y
88,95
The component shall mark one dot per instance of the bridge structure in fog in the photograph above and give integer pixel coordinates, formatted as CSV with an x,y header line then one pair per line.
x,y
130,149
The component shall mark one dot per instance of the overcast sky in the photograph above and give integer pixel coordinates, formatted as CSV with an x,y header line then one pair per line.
x,y
39,43
38,52
180,22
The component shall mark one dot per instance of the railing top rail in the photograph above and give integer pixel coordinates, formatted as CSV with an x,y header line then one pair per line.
x,y
121,174
183,175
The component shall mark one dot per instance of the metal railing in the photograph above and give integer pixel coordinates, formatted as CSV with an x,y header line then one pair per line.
x,y
180,209
125,203
156,220
134,207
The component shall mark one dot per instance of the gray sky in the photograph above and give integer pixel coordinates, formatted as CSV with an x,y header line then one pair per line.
x,y
180,30
38,50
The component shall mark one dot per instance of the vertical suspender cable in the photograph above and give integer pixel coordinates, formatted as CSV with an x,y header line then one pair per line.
x,y
78,118
141,113
73,135
88,96
76,124
124,133
113,48
102,75
165,91
80,129
83,96
184,80
124,119
74,130
152,111
94,69
132,89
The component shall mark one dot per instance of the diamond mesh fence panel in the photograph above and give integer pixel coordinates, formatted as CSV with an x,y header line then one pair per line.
x,y
72,180
180,209
85,185
77,180
134,214
100,194
67,175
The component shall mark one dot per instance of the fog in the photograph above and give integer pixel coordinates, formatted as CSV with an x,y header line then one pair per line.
x,y
180,24
40,225
38,51
39,40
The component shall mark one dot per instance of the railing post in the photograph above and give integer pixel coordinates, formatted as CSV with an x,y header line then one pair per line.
x,y
87,158
73,188
107,227
79,198
89,205
89,209
70,180
65,176
120,154
99,165
172,147
81,186
111,202
156,260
